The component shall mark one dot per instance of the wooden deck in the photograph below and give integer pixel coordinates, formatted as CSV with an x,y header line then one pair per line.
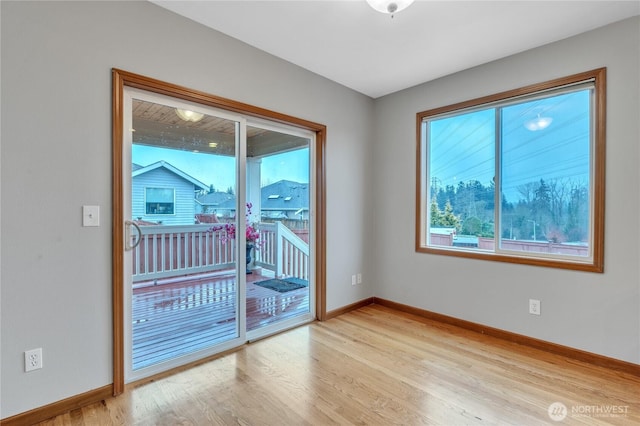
x,y
183,315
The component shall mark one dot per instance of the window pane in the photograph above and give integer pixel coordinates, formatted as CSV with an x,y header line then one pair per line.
x,y
159,201
160,195
461,164
545,175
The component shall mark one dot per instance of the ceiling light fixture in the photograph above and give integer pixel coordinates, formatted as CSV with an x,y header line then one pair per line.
x,y
538,123
389,6
187,115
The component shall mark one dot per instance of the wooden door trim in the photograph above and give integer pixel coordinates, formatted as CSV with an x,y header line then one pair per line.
x,y
120,79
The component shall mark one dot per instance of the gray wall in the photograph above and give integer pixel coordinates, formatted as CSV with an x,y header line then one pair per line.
x,y
599,313
56,142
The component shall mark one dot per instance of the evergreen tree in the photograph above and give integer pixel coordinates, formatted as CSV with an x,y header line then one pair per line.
x,y
449,219
436,215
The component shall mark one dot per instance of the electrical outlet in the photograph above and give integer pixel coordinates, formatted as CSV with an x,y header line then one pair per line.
x,y
33,359
534,307
353,280
359,278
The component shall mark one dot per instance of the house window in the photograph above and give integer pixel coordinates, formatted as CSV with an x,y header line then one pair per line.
x,y
517,176
159,200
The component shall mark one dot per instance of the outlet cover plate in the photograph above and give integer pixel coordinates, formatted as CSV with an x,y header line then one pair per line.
x,y
33,359
534,307
90,215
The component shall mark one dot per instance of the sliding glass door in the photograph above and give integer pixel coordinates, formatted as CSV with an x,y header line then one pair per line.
x,y
279,284
218,213
184,274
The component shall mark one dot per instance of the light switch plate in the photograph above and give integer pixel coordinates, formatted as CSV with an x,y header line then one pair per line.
x,y
90,215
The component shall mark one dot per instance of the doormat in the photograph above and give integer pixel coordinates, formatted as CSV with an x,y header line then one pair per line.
x,y
283,285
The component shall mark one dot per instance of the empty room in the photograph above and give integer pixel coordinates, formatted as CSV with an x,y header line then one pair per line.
x,y
319,212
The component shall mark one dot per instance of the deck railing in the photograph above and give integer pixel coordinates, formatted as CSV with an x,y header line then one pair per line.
x,y
170,251
282,251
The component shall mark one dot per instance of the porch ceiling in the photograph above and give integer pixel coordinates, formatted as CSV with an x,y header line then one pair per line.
x,y
159,125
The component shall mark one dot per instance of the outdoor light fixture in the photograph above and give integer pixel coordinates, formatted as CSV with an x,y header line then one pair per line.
x,y
187,115
389,6
538,123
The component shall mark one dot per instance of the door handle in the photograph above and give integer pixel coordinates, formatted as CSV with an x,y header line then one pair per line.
x,y
128,237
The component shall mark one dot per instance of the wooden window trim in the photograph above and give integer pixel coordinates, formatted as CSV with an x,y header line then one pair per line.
x,y
597,263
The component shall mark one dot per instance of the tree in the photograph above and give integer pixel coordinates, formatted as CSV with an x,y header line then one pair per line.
x,y
230,190
472,226
449,219
557,208
558,191
542,198
450,194
576,228
541,209
443,220
435,212
527,191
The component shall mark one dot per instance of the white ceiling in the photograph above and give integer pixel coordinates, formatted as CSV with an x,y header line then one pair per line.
x,y
372,53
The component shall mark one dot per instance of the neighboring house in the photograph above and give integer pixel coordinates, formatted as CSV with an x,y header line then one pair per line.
x,y
210,203
284,199
164,194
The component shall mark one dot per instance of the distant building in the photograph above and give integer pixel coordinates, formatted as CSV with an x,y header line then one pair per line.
x,y
281,200
285,200
211,202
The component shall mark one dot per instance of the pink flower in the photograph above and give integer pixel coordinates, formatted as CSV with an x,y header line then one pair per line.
x,y
252,233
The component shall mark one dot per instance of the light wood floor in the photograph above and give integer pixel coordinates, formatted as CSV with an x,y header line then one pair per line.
x,y
376,366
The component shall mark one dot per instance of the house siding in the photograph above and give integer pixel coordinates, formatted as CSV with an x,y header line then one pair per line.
x,y
184,209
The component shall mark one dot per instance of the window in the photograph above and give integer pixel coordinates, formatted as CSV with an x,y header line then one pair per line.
x,y
517,176
159,200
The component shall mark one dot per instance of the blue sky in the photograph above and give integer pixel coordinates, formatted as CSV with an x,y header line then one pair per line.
x,y
463,147
219,171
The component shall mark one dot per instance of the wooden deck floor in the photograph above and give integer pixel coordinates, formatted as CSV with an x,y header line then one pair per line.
x,y
178,317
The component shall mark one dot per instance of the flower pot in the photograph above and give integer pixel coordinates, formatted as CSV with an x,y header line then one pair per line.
x,y
249,248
